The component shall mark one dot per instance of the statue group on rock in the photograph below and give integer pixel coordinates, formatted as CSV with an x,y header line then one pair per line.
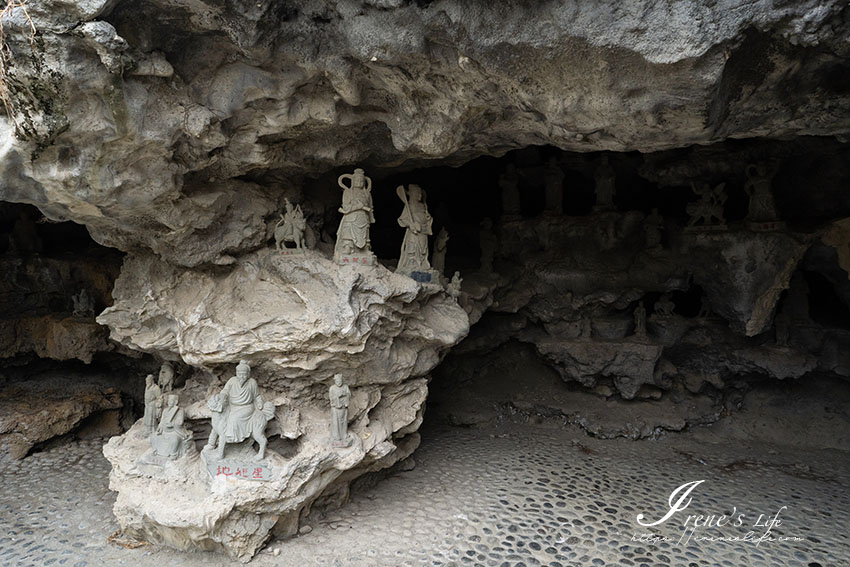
x,y
163,418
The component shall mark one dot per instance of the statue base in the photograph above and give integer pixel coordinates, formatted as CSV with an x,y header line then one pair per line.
x,y
291,251
707,228
239,466
364,259
344,444
149,459
766,226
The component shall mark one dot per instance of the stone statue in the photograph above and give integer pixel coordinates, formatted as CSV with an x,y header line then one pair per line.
x,y
238,412
487,243
83,304
166,377
758,188
652,226
453,289
664,306
293,228
438,256
339,395
509,184
171,439
605,178
153,404
416,219
640,320
709,206
352,236
553,180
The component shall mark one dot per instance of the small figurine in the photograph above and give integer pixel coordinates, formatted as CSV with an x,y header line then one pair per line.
x,y
453,289
339,395
640,320
606,178
709,206
509,184
652,226
83,305
487,243
166,377
417,220
171,439
762,207
438,256
664,306
153,404
238,412
352,237
293,228
553,180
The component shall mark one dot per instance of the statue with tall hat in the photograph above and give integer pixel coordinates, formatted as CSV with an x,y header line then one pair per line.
x,y
352,237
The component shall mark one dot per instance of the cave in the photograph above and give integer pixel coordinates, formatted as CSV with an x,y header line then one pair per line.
x,y
382,282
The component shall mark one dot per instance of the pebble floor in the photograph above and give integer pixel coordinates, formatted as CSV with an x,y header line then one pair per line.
x,y
519,496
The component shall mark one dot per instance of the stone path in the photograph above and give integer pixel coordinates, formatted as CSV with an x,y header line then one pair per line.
x,y
510,496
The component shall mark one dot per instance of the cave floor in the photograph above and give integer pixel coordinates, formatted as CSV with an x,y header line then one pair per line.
x,y
508,495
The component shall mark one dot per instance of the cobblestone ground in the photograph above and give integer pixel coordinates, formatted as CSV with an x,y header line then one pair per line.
x,y
513,496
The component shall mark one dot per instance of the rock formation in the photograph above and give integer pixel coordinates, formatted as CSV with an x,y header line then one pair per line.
x,y
175,132
299,322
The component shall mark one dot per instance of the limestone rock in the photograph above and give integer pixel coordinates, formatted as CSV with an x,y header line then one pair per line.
x,y
37,410
299,321
222,92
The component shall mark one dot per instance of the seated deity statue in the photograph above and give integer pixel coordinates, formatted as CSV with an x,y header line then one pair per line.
x,y
238,412
294,226
171,439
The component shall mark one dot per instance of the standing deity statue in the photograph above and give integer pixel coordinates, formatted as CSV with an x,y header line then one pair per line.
x,y
606,178
416,219
238,412
438,256
172,439
709,206
652,226
487,243
640,320
553,180
352,236
339,395
453,289
293,228
153,404
758,188
509,184
166,377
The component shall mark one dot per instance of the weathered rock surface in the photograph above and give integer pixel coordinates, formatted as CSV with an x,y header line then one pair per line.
x,y
37,410
299,321
136,118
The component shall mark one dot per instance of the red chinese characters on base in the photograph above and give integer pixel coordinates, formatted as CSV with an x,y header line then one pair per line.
x,y
245,472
